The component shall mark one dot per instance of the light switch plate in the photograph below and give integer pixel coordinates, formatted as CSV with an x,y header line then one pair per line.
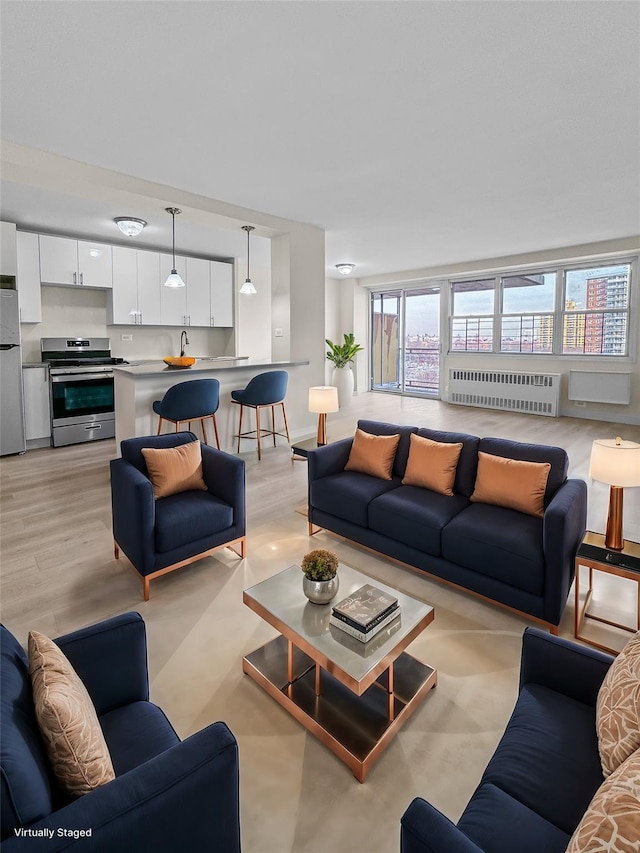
x,y
279,333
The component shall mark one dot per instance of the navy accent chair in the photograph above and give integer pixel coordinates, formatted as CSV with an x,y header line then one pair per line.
x,y
266,390
190,401
545,770
159,536
168,795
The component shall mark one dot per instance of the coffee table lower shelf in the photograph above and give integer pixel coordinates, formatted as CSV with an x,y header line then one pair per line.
x,y
355,728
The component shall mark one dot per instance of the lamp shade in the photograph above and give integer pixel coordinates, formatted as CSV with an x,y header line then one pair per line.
x,y
615,462
323,399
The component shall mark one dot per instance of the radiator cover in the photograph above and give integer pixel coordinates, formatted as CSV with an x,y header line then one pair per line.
x,y
507,390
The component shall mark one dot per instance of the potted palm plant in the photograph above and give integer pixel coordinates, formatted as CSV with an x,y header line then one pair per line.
x,y
320,583
342,355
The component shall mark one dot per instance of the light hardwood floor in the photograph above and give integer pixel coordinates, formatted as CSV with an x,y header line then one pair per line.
x,y
58,573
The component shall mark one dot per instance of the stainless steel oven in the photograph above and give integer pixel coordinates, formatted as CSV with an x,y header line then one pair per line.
x,y
81,389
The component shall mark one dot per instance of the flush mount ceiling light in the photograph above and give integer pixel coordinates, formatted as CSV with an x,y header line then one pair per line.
x,y
248,287
130,226
345,269
173,279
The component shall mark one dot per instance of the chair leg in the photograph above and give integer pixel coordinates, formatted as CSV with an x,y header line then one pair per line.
x,y
116,550
273,424
204,432
286,425
240,427
145,588
215,429
159,425
258,432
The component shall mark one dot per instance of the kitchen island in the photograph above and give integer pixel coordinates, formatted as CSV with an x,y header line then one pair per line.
x,y
138,385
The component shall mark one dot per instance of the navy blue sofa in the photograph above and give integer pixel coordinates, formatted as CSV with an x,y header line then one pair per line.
x,y
521,562
159,536
545,771
168,795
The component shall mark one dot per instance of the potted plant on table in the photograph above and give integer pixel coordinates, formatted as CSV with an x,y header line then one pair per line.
x,y
342,356
320,583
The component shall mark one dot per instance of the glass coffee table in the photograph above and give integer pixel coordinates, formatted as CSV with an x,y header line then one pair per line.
x,y
352,696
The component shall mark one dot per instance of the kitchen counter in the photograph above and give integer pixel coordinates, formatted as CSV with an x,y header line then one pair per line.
x,y
137,386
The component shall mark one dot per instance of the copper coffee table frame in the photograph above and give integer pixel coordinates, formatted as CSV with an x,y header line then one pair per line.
x,y
321,675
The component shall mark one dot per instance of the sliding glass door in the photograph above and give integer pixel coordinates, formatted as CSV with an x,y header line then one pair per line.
x,y
405,341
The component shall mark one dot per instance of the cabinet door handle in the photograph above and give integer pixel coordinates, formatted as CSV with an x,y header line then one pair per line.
x,y
189,319
75,278
140,315
212,323
81,278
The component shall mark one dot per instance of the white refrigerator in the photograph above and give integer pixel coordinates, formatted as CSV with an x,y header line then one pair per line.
x,y
11,405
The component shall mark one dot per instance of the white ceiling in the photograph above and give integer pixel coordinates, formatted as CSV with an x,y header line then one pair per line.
x,y
415,133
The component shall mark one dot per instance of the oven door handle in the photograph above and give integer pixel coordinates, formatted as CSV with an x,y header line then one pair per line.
x,y
81,377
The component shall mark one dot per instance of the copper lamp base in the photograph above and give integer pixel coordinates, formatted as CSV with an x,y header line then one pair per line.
x,y
322,429
613,538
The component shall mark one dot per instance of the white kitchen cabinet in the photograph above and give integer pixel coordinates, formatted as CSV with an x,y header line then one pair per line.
x,y
79,263
37,421
149,288
221,293
123,302
198,292
173,300
29,294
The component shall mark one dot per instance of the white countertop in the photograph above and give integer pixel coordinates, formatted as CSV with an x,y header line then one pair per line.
x,y
203,365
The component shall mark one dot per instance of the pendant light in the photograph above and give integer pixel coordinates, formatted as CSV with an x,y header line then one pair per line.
x,y
173,279
248,287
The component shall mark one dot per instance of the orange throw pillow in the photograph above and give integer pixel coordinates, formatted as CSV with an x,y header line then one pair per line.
x,y
373,454
511,483
432,464
174,469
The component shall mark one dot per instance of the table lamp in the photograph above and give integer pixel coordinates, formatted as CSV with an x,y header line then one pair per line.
x,y
617,463
322,400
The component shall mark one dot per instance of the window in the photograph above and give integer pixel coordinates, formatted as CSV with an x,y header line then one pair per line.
x,y
472,321
596,310
528,303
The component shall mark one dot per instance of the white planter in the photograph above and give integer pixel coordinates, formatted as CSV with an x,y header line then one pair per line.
x,y
342,378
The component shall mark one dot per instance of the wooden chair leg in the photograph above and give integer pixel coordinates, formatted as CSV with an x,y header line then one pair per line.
x,y
145,588
215,429
204,432
116,550
159,424
240,427
258,432
286,425
273,423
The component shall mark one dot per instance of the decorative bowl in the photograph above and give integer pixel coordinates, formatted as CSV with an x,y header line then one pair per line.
x,y
179,361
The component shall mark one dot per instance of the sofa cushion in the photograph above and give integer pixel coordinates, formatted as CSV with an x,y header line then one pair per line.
x,y
405,433
500,543
187,517
414,516
26,788
618,708
74,742
373,454
468,461
612,821
511,483
432,464
136,733
347,495
499,823
174,469
556,456
547,758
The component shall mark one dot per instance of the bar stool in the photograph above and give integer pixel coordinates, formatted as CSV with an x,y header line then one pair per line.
x,y
190,401
266,390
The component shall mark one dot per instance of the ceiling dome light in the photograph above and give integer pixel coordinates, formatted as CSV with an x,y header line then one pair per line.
x,y
173,279
248,288
129,226
345,269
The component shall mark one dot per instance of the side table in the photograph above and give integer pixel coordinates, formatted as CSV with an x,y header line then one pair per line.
x,y
625,564
300,449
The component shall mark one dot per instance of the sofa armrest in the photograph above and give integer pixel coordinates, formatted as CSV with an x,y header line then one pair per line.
x,y
133,512
563,666
185,798
224,475
426,830
330,459
563,526
111,659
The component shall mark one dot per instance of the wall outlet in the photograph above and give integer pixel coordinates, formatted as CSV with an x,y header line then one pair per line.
x,y
279,333
126,337
580,403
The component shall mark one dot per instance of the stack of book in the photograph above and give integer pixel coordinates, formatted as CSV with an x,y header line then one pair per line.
x,y
364,613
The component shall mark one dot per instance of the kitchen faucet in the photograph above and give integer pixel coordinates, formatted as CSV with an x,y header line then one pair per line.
x,y
185,344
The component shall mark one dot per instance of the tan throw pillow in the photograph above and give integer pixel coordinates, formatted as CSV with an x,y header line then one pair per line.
x,y
373,454
618,708
68,722
511,483
612,821
432,464
174,469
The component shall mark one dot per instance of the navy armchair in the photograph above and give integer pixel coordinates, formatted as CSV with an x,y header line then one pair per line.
x,y
168,795
159,536
545,771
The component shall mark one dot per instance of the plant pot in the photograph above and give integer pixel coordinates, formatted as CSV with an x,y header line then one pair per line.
x,y
342,378
320,592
